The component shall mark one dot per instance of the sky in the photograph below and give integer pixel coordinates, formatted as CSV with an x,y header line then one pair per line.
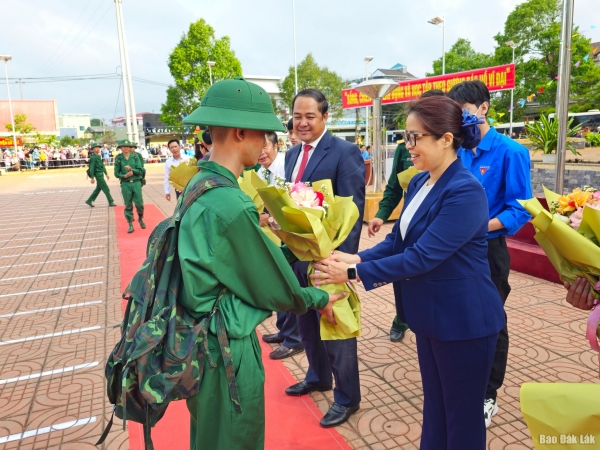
x,y
79,37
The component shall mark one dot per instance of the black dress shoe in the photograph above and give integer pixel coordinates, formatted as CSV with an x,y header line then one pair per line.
x,y
337,415
396,336
272,338
304,388
283,352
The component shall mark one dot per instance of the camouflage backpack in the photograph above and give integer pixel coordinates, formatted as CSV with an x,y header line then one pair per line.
x,y
163,349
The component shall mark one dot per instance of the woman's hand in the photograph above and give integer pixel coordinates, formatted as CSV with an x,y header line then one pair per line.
x,y
264,219
328,310
579,294
330,271
345,257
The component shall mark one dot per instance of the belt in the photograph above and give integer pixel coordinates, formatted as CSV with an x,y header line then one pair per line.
x,y
129,181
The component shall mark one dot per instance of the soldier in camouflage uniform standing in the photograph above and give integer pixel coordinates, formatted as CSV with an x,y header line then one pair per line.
x,y
129,168
97,172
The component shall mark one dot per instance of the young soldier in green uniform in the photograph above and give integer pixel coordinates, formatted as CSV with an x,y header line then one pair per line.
x,y
221,246
391,198
97,172
129,168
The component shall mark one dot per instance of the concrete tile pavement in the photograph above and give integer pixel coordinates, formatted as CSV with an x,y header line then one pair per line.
x,y
48,229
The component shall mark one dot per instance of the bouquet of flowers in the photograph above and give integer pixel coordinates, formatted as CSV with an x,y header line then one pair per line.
x,y
249,182
569,234
313,222
182,174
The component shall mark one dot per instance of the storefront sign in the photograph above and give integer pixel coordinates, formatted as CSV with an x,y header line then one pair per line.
x,y
9,142
497,78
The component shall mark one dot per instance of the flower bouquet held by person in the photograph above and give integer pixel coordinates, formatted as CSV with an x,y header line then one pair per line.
x,y
569,234
249,182
183,173
312,222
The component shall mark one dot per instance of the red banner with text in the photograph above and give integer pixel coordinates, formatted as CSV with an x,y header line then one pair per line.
x,y
498,78
9,142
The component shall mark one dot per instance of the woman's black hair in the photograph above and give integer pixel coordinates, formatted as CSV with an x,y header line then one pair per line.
x,y
272,137
439,115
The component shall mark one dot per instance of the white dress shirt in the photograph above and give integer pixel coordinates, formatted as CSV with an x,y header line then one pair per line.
x,y
277,167
412,207
310,152
169,163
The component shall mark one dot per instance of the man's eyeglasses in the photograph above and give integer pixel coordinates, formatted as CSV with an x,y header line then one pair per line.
x,y
410,138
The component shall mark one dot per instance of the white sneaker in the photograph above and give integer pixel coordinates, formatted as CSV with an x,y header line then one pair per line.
x,y
490,408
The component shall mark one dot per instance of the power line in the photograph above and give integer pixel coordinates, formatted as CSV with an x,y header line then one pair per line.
x,y
35,80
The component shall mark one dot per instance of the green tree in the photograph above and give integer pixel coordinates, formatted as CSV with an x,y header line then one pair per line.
x,y
535,26
462,57
187,64
96,122
48,139
65,141
310,75
109,138
21,125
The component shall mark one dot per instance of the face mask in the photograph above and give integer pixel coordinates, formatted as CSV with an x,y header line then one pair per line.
x,y
470,126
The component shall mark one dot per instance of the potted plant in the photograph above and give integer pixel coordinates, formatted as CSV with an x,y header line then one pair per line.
x,y
543,134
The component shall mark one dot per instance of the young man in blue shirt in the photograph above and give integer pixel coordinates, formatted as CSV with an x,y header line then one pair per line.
x,y
503,167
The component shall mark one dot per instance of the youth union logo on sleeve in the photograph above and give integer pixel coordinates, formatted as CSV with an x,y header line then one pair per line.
x,y
483,169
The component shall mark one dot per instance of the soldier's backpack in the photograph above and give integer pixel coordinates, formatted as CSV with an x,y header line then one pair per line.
x,y
163,349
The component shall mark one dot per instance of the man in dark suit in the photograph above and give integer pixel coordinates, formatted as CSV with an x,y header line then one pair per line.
x,y
322,156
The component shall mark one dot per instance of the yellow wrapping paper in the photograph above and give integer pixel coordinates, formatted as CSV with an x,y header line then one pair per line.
x,y
573,253
405,176
312,235
182,174
562,416
248,182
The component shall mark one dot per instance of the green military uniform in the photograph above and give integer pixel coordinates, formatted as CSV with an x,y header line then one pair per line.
x,y
221,245
391,198
131,187
97,172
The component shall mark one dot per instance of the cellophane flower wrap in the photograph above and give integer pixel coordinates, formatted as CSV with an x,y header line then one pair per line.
x,y
180,176
572,246
249,182
313,222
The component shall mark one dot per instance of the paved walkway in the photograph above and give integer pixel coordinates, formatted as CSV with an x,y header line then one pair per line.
x,y
61,257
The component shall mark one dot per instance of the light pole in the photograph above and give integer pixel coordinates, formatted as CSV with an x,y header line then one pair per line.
x,y
512,91
6,59
124,77
368,59
210,65
295,60
441,21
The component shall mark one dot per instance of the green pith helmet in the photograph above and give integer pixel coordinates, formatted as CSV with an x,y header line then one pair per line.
x,y
94,144
126,143
236,103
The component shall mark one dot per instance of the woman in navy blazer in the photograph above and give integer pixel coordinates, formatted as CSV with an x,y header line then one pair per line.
x,y
436,258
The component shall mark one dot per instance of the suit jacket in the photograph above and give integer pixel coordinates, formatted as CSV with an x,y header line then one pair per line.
x,y
341,162
440,269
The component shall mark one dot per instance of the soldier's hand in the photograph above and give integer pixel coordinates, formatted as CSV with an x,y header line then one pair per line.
x,y
92,181
328,310
579,294
375,226
264,219
128,168
168,197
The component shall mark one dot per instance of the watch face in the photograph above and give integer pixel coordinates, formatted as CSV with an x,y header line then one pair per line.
x,y
352,273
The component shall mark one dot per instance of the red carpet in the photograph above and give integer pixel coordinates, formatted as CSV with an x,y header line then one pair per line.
x,y
292,423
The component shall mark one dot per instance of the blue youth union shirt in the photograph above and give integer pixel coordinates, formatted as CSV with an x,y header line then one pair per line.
x,y
503,167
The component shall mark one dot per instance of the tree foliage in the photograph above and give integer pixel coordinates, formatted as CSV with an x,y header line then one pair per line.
x,y
65,141
96,122
311,75
535,26
461,57
187,64
21,125
109,138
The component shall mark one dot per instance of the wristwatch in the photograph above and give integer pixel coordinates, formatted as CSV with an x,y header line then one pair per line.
x,y
352,272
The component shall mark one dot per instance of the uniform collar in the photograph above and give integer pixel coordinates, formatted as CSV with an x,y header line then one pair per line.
x,y
488,139
213,167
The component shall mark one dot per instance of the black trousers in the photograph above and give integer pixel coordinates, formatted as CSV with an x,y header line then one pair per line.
x,y
499,261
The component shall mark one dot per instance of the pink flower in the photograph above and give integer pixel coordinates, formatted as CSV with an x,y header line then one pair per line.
x,y
300,187
576,218
305,198
596,195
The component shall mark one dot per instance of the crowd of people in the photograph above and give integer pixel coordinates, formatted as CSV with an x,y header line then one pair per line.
x,y
446,258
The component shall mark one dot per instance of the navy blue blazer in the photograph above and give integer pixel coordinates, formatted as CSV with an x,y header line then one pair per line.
x,y
440,270
341,162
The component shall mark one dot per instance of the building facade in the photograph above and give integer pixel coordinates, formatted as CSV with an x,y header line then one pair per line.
x,y
80,122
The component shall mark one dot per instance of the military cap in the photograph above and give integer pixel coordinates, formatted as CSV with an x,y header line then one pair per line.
x,y
236,103
94,144
126,143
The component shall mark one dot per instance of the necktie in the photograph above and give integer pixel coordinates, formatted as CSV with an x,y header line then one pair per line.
x,y
303,163
268,175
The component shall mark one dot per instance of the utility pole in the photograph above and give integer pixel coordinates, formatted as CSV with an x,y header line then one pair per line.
x,y
126,97
135,131
21,88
